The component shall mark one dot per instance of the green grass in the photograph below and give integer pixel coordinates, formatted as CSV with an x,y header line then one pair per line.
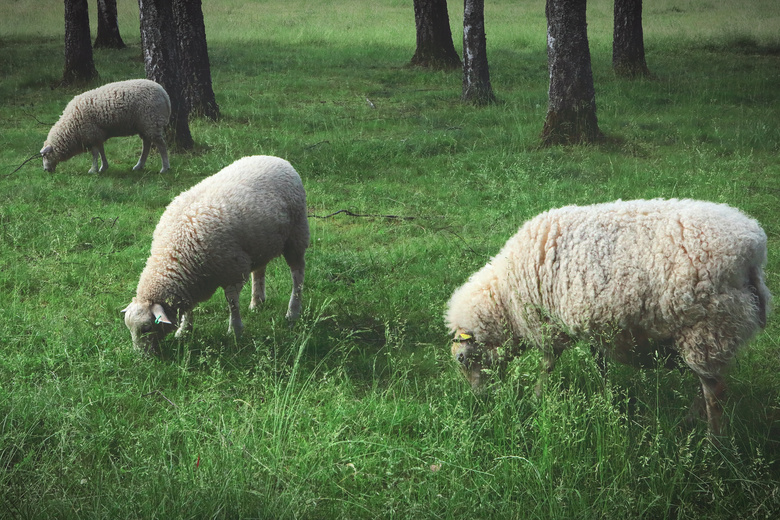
x,y
358,412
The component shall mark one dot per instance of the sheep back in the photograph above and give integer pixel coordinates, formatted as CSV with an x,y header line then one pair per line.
x,y
680,270
224,227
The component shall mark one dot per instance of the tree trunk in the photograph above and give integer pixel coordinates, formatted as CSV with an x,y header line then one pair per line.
x,y
571,114
476,74
161,61
195,68
79,65
628,46
435,49
108,36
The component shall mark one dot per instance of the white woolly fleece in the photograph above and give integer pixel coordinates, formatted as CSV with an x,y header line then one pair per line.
x,y
684,271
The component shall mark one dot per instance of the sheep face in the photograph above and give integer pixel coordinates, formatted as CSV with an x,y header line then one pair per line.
x,y
473,357
148,325
49,162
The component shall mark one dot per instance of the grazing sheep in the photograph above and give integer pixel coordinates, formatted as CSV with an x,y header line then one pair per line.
x,y
134,107
214,235
679,276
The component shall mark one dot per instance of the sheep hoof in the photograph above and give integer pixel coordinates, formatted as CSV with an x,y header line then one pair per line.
x,y
238,330
291,319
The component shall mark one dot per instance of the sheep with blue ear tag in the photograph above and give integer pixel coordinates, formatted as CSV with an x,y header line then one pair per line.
x,y
219,233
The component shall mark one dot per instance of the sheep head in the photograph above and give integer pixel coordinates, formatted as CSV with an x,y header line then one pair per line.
x,y
148,324
474,357
49,158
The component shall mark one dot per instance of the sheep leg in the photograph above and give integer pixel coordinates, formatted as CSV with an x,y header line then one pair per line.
x,y
296,271
601,362
160,144
231,294
258,288
549,358
294,307
185,325
94,168
295,260
600,358
98,150
713,390
144,154
550,355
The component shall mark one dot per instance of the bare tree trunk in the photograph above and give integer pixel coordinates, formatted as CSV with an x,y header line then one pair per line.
x,y
571,114
195,68
108,36
476,73
628,46
161,61
79,65
435,49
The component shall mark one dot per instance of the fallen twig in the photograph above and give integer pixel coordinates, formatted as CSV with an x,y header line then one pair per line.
x,y
38,154
161,395
364,215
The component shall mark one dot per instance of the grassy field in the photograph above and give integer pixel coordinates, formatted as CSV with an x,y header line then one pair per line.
x,y
358,412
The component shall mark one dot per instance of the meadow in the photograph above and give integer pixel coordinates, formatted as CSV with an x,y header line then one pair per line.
x,y
358,411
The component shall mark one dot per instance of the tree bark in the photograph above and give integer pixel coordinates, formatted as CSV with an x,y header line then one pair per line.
x,y
161,61
79,65
435,49
195,67
571,114
628,46
476,73
108,36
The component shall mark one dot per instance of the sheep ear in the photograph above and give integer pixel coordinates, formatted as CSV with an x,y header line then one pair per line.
x,y
128,306
46,149
159,314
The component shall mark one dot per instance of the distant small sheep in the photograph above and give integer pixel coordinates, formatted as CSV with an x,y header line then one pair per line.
x,y
214,235
134,107
679,276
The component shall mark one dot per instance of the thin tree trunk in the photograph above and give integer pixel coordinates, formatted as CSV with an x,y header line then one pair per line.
x,y
195,67
161,61
108,36
79,65
628,46
476,73
571,114
435,49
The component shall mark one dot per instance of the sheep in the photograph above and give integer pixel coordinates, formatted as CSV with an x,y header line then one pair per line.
x,y
682,277
133,107
214,235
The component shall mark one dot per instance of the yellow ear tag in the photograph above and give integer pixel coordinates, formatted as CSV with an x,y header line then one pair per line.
x,y
464,337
